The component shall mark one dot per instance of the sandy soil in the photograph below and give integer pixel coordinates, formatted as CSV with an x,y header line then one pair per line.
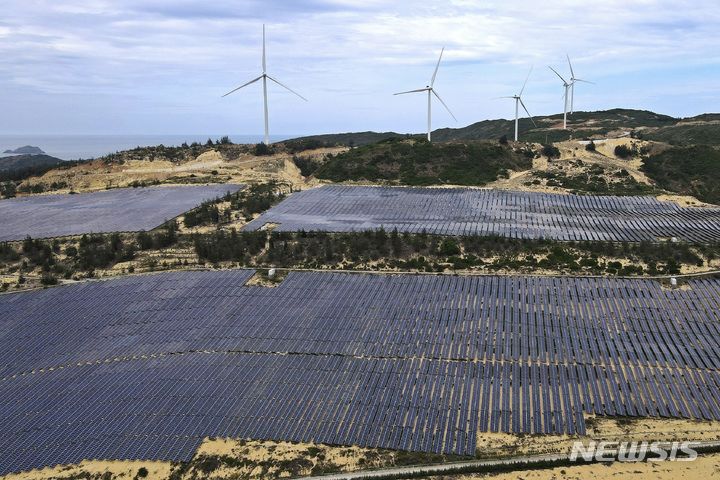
x,y
599,428
684,201
256,460
119,470
604,156
244,168
705,467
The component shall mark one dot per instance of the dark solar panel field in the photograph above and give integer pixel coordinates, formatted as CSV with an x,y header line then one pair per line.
x,y
452,211
152,364
116,210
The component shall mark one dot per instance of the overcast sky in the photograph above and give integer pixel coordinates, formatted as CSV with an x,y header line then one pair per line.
x,y
160,66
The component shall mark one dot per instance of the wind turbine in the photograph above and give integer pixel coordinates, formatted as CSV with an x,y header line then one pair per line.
x,y
518,102
265,77
431,91
573,79
567,87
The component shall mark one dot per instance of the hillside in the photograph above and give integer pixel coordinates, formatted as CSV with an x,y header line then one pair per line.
x,y
26,150
648,125
21,166
687,170
418,162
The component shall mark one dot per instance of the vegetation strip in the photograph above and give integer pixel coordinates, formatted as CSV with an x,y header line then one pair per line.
x,y
484,466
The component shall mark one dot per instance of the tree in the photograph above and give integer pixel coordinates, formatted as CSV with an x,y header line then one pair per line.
x,y
503,140
590,147
8,189
623,151
551,151
262,149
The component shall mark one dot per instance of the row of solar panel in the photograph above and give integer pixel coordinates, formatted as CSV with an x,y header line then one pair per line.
x,y
419,404
116,210
512,354
445,211
411,404
486,318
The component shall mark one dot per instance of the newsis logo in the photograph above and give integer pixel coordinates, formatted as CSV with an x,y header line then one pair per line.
x,y
633,451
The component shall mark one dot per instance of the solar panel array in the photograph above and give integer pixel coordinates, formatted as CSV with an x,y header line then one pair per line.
x,y
453,211
116,210
145,367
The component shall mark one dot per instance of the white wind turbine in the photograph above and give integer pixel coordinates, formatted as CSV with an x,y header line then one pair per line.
x,y
431,91
265,77
518,102
573,79
567,87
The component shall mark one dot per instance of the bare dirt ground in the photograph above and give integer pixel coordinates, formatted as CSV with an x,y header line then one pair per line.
x,y
257,460
604,156
704,467
601,429
208,167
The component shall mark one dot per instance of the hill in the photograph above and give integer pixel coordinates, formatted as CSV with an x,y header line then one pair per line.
x,y
418,162
687,170
649,125
26,150
22,166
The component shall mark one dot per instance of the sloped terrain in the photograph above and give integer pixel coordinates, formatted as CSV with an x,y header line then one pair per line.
x,y
418,162
691,170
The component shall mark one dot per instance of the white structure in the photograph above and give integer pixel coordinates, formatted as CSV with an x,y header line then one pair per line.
x,y
573,79
567,87
431,91
518,102
265,77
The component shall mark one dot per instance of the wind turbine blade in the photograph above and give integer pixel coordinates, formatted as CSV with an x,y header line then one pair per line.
x,y
498,98
556,73
571,69
441,101
287,88
412,91
584,81
432,82
243,85
524,84
526,111
263,60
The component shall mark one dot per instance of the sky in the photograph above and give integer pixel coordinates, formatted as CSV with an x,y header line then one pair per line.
x,y
161,66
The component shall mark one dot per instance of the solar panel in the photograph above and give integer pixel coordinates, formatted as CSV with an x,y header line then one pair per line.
x,y
465,211
115,210
152,364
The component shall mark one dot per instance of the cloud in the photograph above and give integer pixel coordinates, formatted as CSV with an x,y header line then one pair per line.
x,y
160,57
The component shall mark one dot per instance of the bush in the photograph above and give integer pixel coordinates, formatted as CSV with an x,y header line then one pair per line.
x,y
48,279
551,151
261,149
590,147
8,189
449,247
419,162
623,151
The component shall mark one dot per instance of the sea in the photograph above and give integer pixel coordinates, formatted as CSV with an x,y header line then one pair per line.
x,y
75,147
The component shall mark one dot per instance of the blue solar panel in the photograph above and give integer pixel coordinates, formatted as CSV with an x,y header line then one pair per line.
x,y
116,210
152,364
464,211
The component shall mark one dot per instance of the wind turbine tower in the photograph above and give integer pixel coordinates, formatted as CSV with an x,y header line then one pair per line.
x,y
573,79
265,77
430,92
567,87
518,103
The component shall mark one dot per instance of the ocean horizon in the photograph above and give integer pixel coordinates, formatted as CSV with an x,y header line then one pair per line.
x,y
74,147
